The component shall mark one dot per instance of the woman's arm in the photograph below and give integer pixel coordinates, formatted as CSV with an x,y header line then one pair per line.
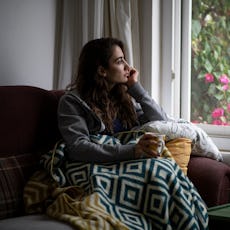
x,y
150,110
76,123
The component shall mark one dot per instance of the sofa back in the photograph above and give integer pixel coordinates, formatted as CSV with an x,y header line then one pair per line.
x,y
28,119
28,128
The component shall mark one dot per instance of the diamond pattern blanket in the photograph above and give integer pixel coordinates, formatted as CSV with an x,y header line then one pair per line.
x,y
140,194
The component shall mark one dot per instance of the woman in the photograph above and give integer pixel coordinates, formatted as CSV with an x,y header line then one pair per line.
x,y
120,191
105,98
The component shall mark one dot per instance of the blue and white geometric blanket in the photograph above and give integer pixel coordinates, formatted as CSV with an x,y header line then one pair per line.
x,y
140,194
143,194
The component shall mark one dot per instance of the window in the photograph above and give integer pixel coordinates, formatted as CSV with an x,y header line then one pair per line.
x,y
186,73
210,62
210,65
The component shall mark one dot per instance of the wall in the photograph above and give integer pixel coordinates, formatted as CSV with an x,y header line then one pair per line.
x,y
27,30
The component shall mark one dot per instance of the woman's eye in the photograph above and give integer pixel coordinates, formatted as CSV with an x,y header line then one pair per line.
x,y
120,61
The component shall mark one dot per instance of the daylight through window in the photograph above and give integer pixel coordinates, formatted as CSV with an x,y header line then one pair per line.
x,y
210,62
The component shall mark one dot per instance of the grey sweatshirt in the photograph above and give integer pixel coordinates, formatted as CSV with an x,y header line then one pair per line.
x,y
77,122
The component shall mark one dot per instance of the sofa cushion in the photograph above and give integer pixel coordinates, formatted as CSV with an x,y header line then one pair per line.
x,y
14,173
202,144
35,222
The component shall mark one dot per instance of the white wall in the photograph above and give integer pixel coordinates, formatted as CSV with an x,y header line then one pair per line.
x,y
27,31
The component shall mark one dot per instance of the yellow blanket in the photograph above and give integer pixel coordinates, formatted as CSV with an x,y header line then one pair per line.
x,y
43,195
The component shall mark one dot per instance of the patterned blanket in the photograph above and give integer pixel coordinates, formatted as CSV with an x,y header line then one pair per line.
x,y
139,194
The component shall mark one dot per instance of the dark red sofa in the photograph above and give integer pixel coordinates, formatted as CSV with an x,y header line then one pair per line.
x,y
28,127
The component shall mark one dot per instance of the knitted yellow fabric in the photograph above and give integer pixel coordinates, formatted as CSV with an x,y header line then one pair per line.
x,y
180,149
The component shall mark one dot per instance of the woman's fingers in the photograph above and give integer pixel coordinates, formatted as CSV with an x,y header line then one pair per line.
x,y
146,146
133,77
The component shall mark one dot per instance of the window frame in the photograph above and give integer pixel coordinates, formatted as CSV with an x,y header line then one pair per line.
x,y
176,67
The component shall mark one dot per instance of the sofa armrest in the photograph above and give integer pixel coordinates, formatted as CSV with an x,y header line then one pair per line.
x,y
211,178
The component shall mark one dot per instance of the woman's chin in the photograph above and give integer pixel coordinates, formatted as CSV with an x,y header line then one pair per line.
x,y
125,80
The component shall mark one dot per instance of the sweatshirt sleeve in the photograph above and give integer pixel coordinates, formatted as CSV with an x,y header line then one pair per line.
x,y
76,124
150,110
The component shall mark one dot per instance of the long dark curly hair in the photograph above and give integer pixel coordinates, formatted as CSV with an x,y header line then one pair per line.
x,y
94,89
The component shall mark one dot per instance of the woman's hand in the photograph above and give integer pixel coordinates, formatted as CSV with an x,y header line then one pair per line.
x,y
133,77
142,148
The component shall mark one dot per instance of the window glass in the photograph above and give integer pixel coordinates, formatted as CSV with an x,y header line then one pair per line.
x,y
210,62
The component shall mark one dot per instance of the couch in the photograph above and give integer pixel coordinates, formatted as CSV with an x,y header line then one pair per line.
x,y
29,128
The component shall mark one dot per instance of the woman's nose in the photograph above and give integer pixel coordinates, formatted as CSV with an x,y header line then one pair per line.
x,y
126,64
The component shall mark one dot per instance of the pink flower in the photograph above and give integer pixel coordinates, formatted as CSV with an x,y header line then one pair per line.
x,y
217,122
228,107
209,77
218,112
224,79
225,124
225,87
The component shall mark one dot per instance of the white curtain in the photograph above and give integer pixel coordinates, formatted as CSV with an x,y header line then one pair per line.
x,y
79,21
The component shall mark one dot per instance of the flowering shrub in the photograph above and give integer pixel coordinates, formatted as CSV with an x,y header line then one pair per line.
x,y
210,92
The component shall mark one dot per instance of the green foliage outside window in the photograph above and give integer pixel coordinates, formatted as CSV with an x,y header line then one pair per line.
x,y
210,77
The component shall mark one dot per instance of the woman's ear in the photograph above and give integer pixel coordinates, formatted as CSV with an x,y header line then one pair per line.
x,y
101,71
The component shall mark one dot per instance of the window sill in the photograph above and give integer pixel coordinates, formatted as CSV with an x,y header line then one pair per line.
x,y
219,134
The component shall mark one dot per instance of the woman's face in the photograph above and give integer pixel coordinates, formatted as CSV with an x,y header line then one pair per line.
x,y
118,70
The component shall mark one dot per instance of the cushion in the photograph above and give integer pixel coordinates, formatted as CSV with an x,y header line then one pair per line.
x,y
180,149
202,144
14,173
35,222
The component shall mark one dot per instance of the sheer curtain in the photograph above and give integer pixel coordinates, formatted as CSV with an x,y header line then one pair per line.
x,y
79,21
